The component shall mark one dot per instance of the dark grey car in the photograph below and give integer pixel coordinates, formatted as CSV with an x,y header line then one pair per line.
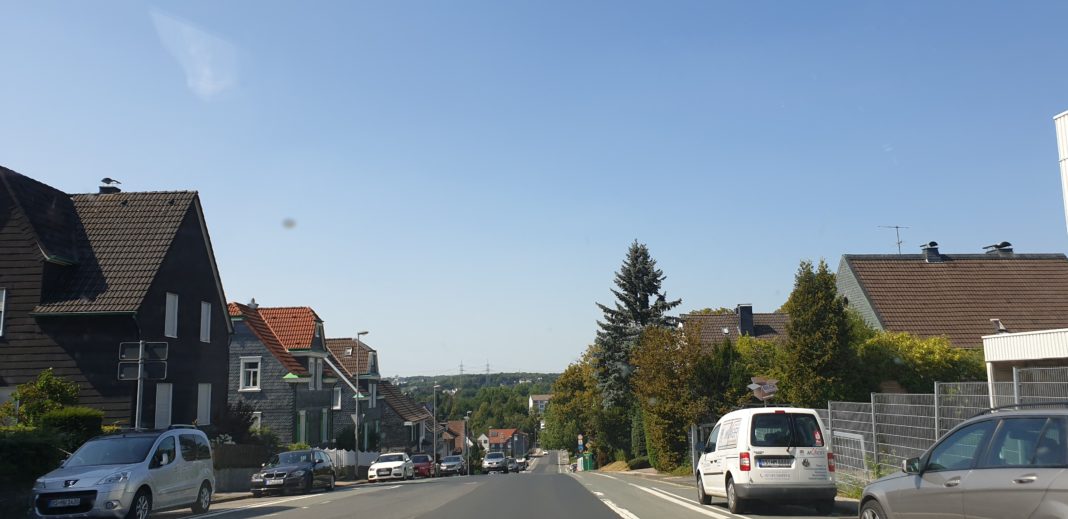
x,y
1003,465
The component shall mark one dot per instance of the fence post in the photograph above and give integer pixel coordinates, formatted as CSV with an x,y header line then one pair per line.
x,y
1016,385
874,435
938,390
830,418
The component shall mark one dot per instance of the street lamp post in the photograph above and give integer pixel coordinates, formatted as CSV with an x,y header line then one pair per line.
x,y
467,450
356,422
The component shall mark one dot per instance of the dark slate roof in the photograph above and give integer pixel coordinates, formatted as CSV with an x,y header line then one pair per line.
x,y
360,353
957,297
50,213
126,237
252,318
765,326
407,408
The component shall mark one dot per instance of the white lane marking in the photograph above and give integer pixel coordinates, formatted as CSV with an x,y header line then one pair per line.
x,y
606,476
599,494
275,502
672,498
620,511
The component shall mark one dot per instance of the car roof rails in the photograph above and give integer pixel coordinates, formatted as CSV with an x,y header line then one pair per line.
x,y
180,426
1024,406
752,405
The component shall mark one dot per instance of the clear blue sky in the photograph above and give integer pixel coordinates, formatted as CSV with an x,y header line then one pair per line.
x,y
465,177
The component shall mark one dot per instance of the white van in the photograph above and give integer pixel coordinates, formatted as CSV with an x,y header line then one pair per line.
x,y
771,454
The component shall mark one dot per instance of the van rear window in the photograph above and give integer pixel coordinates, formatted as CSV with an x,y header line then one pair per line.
x,y
786,430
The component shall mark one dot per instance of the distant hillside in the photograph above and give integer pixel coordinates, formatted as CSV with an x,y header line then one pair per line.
x,y
538,382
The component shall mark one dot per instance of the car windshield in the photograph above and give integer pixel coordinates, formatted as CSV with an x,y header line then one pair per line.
x,y
786,430
388,458
290,458
495,456
112,451
453,459
420,458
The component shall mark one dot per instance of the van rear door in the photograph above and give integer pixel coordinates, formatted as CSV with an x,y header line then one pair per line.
x,y
789,447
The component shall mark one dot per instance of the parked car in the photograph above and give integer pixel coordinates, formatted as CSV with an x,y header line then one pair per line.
x,y
770,454
495,462
1005,464
424,467
130,475
395,465
302,471
512,465
453,465
521,463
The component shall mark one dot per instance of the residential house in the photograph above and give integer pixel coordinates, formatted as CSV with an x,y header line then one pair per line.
x,y
483,442
459,441
278,358
537,403
358,362
960,296
512,442
81,274
405,425
716,328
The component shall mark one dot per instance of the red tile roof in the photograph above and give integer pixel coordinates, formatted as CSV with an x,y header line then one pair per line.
x,y
360,354
958,296
254,320
293,325
502,436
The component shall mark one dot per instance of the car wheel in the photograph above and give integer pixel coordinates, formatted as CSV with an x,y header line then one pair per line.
x,y
141,506
203,501
257,493
735,504
702,497
330,487
871,509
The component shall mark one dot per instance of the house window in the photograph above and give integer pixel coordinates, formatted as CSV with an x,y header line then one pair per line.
x,y
203,404
302,426
205,321
374,396
348,351
337,398
163,405
250,374
257,421
3,303
170,323
324,430
319,374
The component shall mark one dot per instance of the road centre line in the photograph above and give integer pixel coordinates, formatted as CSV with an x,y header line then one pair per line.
x,y
672,498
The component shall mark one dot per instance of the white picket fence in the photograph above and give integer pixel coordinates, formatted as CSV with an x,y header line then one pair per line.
x,y
344,458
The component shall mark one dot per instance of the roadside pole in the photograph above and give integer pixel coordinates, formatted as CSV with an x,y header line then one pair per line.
x,y
140,382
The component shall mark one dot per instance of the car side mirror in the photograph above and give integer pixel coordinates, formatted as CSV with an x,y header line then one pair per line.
x,y
911,466
263,465
318,462
708,449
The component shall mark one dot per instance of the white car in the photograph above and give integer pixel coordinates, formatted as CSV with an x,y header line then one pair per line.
x,y
396,465
772,454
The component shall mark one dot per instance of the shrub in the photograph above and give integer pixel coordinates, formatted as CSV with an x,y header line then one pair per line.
x,y
346,438
47,393
25,455
73,425
638,463
297,446
235,421
264,437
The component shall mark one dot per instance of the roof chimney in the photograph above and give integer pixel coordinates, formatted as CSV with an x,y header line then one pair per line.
x,y
745,319
1001,249
998,327
109,190
252,304
930,252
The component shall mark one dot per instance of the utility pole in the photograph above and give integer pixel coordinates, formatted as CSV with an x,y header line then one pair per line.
x,y
897,232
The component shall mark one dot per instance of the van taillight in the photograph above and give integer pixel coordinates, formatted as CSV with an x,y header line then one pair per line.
x,y
743,462
830,462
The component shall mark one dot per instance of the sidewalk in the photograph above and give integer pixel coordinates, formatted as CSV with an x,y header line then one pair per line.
x,y
225,497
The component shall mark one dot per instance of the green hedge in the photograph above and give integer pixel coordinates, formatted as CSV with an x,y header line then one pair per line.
x,y
638,463
73,425
25,455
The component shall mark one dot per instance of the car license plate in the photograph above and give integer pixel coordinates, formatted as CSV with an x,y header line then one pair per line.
x,y
62,503
776,463
273,482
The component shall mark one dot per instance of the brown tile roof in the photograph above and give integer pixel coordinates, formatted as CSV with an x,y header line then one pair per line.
x,y
259,328
765,326
293,325
541,398
126,237
958,297
502,436
402,404
360,354
50,213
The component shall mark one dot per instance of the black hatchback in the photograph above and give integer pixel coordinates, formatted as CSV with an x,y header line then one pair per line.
x,y
302,471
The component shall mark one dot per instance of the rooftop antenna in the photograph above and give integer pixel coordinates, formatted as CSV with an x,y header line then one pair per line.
x,y
897,232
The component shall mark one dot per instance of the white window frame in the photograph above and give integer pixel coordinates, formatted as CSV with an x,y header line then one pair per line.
x,y
337,398
170,317
374,395
3,309
242,382
302,426
205,321
203,404
257,421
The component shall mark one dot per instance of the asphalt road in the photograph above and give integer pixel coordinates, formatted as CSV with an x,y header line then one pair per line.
x,y
547,491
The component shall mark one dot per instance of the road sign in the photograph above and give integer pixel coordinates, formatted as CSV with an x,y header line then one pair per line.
x,y
154,370
153,350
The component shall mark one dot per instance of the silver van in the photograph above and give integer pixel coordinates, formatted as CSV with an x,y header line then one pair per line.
x,y
130,475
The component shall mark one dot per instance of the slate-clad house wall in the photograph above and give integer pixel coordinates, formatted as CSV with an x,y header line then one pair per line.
x,y
349,356
83,273
275,399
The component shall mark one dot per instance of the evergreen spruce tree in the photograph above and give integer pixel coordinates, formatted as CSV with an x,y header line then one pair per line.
x,y
639,303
